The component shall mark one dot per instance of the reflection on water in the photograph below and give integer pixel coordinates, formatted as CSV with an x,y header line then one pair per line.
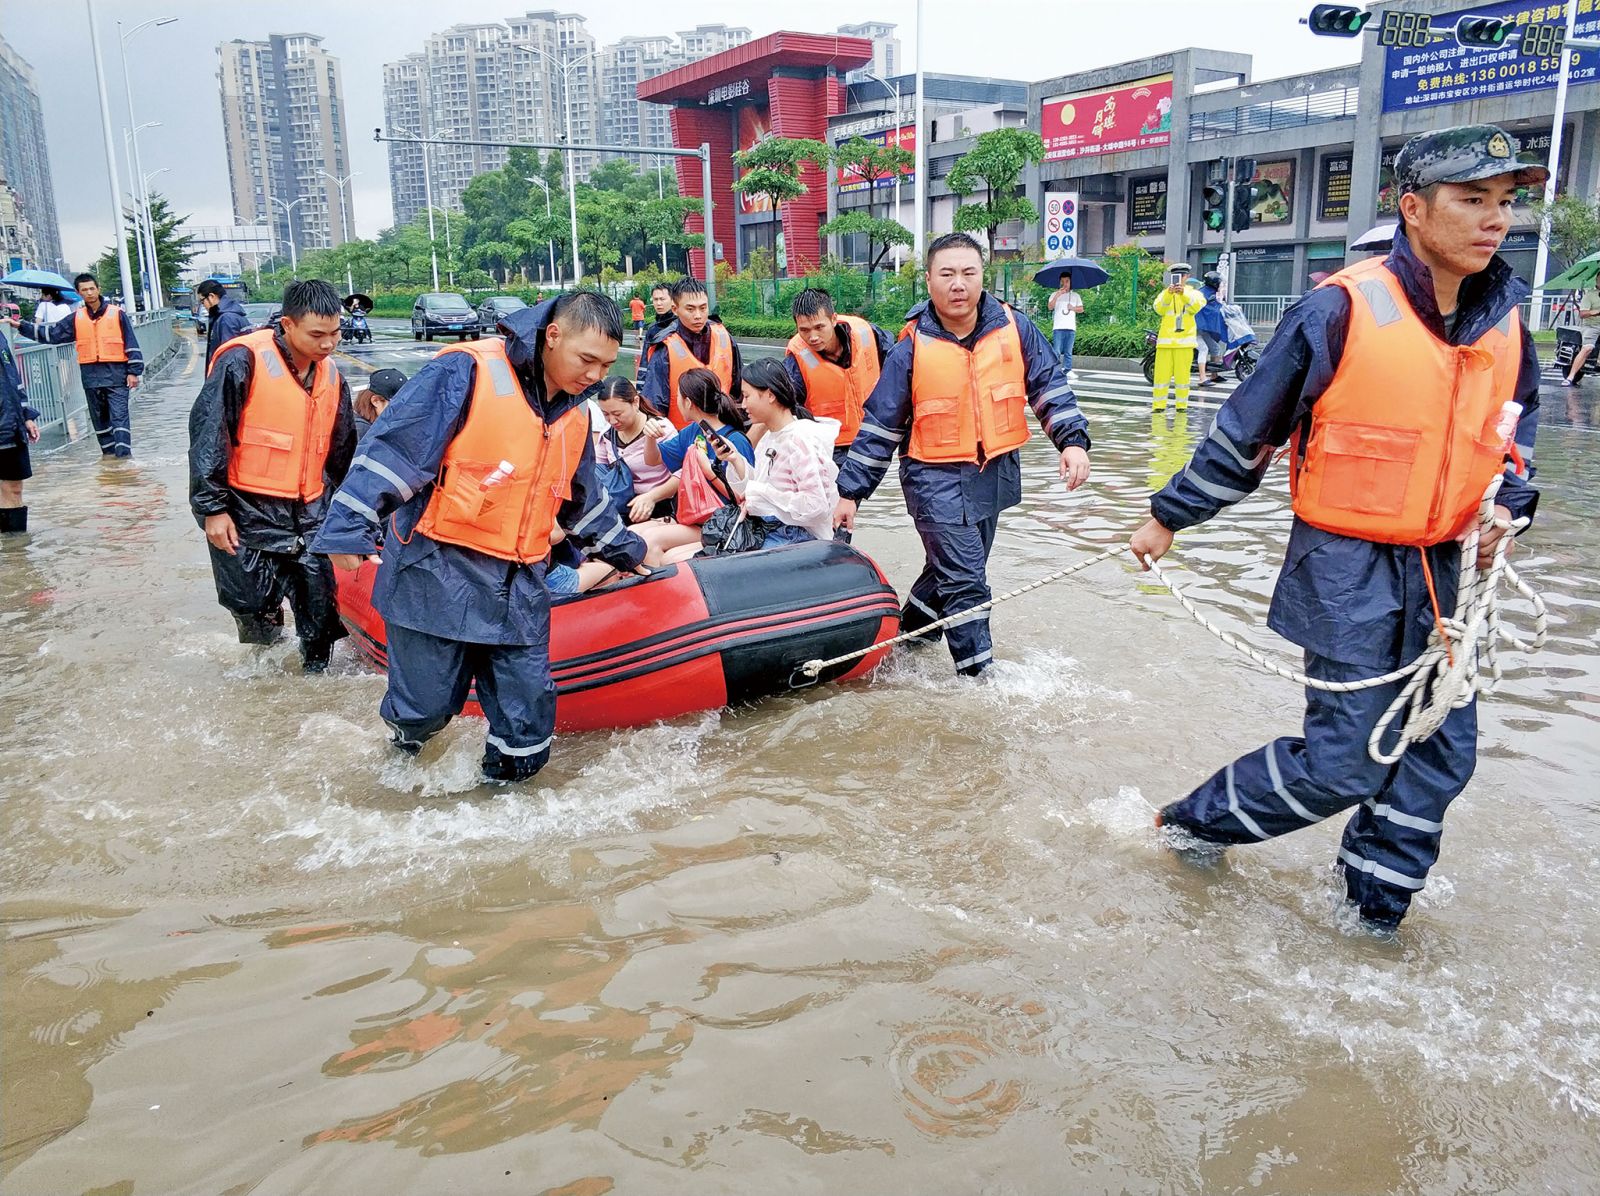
x,y
912,935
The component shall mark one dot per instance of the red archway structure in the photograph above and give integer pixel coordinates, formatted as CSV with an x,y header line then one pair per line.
x,y
784,85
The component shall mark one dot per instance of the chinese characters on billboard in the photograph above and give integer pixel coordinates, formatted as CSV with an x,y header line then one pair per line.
x,y
1133,116
1333,188
1147,205
753,123
904,137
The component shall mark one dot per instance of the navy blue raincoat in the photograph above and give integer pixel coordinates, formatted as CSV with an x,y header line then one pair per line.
x,y
1347,600
884,341
445,590
99,375
657,385
228,320
957,493
14,409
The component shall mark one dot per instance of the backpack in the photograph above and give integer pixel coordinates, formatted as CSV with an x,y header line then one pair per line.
x,y
616,477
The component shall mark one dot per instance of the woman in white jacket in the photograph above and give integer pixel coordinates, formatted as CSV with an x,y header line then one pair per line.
x,y
791,488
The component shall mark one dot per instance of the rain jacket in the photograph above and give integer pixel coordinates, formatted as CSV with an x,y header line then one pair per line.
x,y
227,321
270,524
1177,314
14,409
445,590
960,493
1210,318
101,374
1352,601
657,388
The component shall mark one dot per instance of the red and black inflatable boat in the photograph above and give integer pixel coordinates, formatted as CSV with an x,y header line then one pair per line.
x,y
711,632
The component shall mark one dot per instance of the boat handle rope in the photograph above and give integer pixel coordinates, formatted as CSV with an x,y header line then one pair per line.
x,y
1461,659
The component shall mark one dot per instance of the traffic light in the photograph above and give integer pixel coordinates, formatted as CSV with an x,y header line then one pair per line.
x,y
1337,20
1482,31
1215,194
1244,192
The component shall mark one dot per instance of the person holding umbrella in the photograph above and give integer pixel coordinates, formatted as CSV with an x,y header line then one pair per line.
x,y
51,307
109,359
1068,275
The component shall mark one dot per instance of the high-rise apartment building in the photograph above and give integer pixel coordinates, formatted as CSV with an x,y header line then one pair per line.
x,y
520,81
25,163
886,58
283,119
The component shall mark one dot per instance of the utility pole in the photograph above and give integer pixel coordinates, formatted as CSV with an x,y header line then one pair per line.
x,y
129,298
288,212
920,190
158,296
344,223
550,242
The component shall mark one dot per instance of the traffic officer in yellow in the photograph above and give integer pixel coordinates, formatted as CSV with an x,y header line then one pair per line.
x,y
1398,384
271,434
953,399
835,361
1178,304
478,458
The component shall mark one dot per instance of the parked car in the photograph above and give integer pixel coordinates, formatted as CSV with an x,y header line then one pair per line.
x,y
441,313
261,314
494,308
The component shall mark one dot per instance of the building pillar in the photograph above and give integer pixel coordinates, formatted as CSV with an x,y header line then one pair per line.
x,y
1176,236
692,125
800,107
1366,150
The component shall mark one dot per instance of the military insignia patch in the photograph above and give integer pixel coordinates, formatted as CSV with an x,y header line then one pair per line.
x,y
1499,146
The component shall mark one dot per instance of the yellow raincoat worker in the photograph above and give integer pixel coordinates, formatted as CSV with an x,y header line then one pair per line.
x,y
1177,305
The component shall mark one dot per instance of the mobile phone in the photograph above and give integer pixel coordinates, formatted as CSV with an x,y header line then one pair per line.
x,y
712,434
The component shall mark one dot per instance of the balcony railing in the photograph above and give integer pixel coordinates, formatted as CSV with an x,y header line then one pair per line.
x,y
1293,112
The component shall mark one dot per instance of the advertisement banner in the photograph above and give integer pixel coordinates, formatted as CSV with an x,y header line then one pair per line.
x,y
905,137
1333,188
1274,194
1061,217
1444,72
1147,205
1132,116
753,126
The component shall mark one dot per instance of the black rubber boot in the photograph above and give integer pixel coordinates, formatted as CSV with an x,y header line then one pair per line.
x,y
314,655
259,628
498,767
13,519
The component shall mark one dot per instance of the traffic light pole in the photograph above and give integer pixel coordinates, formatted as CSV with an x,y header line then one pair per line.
x,y
1227,235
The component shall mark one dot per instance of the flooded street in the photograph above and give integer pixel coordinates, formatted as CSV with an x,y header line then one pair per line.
x,y
913,935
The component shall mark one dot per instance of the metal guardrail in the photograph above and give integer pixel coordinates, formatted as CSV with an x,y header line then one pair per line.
x,y
55,388
1264,311
1292,112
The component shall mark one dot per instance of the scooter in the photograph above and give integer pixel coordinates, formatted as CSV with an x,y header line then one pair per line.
x,y
360,330
1240,356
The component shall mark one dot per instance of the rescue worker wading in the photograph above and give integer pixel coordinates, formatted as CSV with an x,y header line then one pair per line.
x,y
1392,380
270,436
478,458
110,362
953,398
693,341
836,362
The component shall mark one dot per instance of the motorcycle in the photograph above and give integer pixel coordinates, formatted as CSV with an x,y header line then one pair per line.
x,y
353,324
1240,356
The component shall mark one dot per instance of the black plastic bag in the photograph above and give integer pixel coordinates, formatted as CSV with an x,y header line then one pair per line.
x,y
728,531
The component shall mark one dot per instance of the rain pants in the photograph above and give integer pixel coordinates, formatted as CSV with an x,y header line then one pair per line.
x,y
105,383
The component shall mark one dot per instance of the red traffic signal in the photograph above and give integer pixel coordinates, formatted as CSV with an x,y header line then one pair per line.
x,y
1337,20
1482,31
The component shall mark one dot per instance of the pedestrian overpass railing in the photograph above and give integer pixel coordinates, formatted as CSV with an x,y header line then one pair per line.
x,y
50,374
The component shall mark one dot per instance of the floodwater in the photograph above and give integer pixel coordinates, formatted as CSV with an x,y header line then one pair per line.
x,y
915,935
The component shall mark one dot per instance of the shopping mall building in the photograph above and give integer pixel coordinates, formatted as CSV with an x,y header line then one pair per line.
x,y
1130,147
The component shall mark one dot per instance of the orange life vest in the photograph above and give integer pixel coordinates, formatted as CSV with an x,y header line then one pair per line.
x,y
100,340
834,391
966,403
476,504
1403,444
284,433
681,361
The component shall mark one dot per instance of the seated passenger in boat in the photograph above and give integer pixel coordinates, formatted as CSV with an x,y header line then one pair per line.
x,y
790,490
626,438
705,410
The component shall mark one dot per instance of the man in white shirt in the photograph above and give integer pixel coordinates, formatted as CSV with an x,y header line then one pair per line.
x,y
1065,305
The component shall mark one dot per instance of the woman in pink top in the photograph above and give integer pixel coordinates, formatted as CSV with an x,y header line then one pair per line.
x,y
654,486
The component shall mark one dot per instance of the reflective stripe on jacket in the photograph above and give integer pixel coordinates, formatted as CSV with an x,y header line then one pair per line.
x,y
479,504
1401,446
99,340
968,405
681,361
836,392
284,432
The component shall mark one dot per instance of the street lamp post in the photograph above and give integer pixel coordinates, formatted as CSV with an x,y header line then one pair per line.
x,y
140,216
895,88
545,187
344,222
661,193
566,67
920,179
427,195
143,198
118,234
288,212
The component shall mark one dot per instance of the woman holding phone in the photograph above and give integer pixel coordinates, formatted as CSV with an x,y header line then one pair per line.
x,y
790,488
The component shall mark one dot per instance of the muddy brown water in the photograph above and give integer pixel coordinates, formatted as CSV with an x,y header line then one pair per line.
x,y
913,935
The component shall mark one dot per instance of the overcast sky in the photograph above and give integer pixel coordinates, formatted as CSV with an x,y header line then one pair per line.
x,y
173,68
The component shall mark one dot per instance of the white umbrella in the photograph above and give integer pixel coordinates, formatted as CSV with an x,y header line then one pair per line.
x,y
1378,237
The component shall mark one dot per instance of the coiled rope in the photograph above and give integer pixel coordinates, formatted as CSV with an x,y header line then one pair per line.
x,y
1460,661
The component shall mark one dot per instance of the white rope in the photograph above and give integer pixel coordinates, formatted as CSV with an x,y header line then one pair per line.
x,y
1460,661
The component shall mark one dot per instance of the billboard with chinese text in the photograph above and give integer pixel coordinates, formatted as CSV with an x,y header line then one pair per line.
x,y
905,137
1131,116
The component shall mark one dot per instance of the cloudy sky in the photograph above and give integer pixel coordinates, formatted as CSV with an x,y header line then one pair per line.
x,y
173,68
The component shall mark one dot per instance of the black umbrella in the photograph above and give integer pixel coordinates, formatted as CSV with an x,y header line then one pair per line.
x,y
364,302
1084,273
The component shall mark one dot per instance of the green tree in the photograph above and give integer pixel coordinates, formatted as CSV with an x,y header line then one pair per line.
x,y
174,248
882,234
1574,226
773,168
995,163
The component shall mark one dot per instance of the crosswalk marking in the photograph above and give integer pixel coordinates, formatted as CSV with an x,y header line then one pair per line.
x,y
1131,388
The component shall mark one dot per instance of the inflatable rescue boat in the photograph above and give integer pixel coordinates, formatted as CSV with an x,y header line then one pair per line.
x,y
710,632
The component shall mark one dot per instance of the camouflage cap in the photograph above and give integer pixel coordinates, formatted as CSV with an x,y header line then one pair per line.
x,y
1463,154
